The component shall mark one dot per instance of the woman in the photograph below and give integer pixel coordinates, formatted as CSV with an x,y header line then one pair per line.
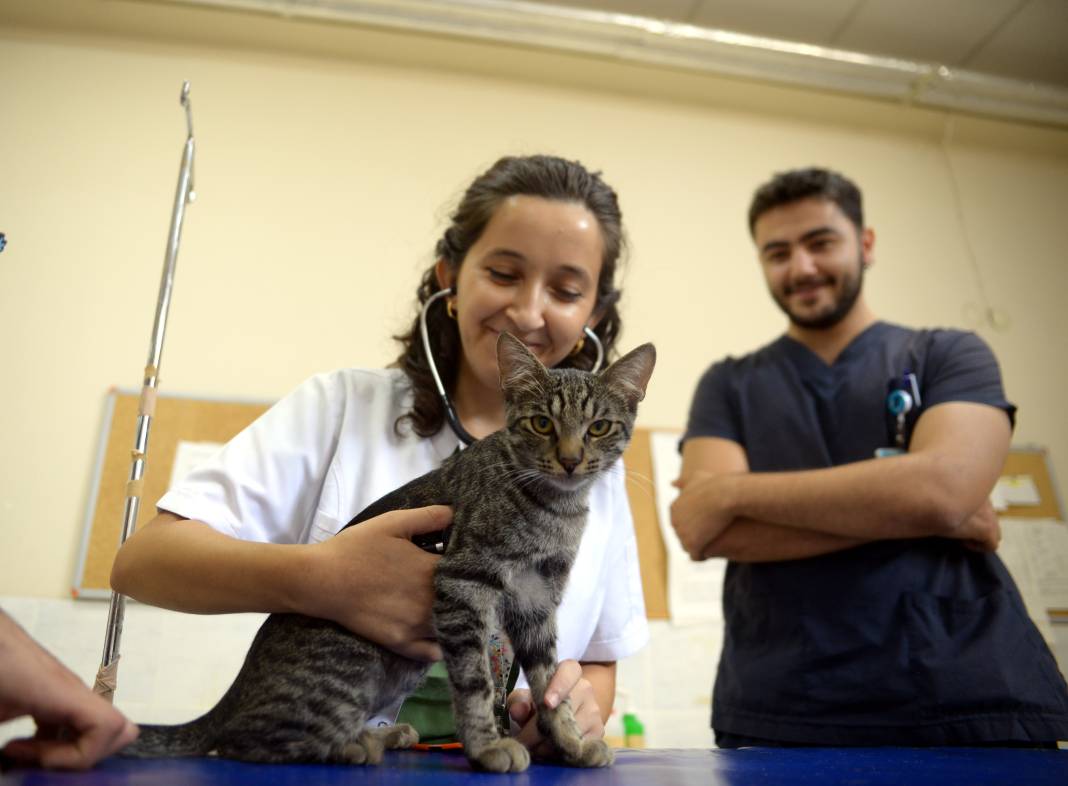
x,y
532,249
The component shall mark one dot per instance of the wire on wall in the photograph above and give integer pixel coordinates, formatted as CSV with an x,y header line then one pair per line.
x,y
984,313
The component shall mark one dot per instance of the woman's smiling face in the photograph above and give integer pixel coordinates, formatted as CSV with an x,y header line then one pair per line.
x,y
533,273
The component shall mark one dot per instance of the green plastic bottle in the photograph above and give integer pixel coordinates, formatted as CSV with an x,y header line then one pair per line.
x,y
633,731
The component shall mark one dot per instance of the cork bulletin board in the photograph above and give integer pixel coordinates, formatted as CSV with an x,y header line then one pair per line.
x,y
638,461
1034,463
176,419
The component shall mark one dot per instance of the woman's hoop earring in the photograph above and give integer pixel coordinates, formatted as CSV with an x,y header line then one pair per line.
x,y
578,347
450,309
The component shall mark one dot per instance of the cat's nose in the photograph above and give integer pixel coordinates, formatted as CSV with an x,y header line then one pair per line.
x,y
569,463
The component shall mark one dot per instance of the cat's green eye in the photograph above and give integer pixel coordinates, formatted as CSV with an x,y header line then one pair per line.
x,y
599,428
540,424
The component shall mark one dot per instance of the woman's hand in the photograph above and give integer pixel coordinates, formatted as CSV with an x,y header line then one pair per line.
x,y
566,683
370,578
373,580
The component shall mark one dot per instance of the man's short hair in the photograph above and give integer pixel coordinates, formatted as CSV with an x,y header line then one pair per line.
x,y
811,183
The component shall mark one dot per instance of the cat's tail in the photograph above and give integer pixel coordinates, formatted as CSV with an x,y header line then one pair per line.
x,y
196,738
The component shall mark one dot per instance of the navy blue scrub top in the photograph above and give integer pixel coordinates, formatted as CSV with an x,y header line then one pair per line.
x,y
898,642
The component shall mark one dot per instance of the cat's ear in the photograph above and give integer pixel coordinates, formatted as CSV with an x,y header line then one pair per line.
x,y
631,372
520,370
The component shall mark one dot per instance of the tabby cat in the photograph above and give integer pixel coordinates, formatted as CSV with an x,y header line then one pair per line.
x,y
519,498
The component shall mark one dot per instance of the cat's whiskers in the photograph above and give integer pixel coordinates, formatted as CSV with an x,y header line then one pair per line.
x,y
521,477
532,477
640,481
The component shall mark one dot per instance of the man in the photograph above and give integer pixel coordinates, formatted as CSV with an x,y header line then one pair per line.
x,y
75,728
864,603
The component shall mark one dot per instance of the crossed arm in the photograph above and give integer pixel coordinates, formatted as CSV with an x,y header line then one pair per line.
x,y
939,488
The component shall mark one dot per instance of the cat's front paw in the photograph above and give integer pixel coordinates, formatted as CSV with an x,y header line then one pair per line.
x,y
403,735
504,755
592,753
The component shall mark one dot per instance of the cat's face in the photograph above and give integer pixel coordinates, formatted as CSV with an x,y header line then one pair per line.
x,y
568,425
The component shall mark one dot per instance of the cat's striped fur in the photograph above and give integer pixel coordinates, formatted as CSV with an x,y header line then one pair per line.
x,y
519,499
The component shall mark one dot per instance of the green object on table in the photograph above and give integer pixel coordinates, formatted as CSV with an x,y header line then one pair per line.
x,y
429,709
633,731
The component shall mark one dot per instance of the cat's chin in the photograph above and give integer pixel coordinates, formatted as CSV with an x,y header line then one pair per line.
x,y
568,482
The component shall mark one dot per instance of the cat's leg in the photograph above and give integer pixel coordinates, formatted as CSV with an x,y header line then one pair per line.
x,y
370,744
462,613
533,635
316,729
403,735
395,677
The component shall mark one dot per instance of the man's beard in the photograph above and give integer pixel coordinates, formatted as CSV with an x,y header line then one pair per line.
x,y
842,305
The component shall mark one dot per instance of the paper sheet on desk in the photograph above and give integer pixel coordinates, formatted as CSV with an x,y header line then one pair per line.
x,y
1036,553
1015,490
695,589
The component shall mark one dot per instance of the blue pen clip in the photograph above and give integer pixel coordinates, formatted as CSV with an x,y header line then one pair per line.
x,y
904,395
899,402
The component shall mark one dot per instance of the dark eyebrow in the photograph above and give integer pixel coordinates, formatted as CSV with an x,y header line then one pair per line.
x,y
818,231
810,235
774,244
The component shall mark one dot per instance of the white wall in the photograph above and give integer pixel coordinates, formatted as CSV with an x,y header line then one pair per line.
x,y
327,158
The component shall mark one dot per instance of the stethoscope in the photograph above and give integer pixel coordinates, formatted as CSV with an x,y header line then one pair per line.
x,y
450,413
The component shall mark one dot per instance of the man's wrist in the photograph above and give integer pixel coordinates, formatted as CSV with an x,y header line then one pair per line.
x,y
732,492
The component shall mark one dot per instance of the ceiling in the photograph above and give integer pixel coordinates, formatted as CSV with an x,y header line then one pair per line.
x,y
1019,39
995,58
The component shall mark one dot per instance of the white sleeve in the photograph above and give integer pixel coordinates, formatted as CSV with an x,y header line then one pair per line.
x,y
265,483
622,628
